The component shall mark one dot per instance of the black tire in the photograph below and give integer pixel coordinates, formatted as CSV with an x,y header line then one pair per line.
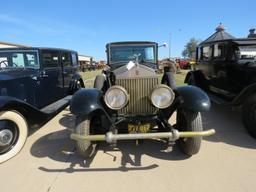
x,y
84,148
169,80
249,115
99,82
189,121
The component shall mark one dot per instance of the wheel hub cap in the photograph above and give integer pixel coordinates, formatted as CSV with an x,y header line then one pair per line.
x,y
6,137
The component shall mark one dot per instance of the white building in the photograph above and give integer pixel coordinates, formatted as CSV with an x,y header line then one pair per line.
x,y
85,59
9,45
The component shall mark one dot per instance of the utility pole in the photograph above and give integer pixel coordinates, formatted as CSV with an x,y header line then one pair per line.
x,y
169,45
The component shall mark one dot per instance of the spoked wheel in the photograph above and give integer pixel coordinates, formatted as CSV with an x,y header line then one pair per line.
x,y
13,134
85,148
189,121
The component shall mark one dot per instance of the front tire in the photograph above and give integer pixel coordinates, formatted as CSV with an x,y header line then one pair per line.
x,y
189,121
85,148
13,134
249,115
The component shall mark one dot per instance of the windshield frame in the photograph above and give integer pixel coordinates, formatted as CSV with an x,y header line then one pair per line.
x,y
22,51
109,52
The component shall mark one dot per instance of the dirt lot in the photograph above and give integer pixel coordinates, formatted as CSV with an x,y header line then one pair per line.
x,y
226,162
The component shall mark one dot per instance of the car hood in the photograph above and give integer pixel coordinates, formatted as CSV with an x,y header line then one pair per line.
x,y
132,70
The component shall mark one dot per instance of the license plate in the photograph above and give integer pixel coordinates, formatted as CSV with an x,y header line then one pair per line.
x,y
143,128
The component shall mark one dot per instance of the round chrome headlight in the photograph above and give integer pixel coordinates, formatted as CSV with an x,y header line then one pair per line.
x,y
162,96
116,97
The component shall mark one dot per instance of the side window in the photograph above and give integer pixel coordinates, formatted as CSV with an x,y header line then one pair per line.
x,y
66,59
4,61
50,59
218,51
233,53
18,60
31,60
74,59
206,53
198,53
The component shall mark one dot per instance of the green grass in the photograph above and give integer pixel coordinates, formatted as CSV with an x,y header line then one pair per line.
x,y
179,78
89,77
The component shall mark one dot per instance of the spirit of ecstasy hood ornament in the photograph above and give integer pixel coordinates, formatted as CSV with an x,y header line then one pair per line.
x,y
133,63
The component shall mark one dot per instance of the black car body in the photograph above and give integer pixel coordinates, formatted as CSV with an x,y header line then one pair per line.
x,y
130,101
34,86
226,69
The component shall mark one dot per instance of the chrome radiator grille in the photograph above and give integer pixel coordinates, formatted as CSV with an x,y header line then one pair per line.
x,y
139,90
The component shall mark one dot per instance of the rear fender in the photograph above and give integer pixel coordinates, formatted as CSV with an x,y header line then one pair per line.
x,y
193,98
246,92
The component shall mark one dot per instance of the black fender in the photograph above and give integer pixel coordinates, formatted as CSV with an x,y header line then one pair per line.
x,y
86,101
31,114
193,98
245,93
199,78
169,79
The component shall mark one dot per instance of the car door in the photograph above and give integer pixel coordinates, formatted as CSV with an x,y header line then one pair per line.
x,y
67,70
51,85
236,71
203,60
219,73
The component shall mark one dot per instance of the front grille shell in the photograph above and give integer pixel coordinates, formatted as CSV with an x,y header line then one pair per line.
x,y
139,90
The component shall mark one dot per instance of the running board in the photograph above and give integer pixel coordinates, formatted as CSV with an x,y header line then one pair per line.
x,y
56,106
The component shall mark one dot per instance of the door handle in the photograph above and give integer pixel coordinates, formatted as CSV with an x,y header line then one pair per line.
x,y
44,75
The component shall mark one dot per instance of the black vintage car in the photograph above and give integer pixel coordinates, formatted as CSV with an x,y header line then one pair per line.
x,y
130,102
226,69
34,86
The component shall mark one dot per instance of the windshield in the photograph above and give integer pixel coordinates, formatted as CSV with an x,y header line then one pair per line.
x,y
127,53
247,52
12,59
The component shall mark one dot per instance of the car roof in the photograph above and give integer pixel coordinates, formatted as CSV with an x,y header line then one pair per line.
x,y
240,41
131,42
36,48
245,41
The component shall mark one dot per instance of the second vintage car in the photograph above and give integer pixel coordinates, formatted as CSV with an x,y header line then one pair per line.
x,y
130,102
226,70
35,83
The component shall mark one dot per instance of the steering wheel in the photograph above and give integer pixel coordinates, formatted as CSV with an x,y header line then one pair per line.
x,y
14,64
5,62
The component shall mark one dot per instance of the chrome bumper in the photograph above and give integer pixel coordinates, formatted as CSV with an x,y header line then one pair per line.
x,y
110,137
